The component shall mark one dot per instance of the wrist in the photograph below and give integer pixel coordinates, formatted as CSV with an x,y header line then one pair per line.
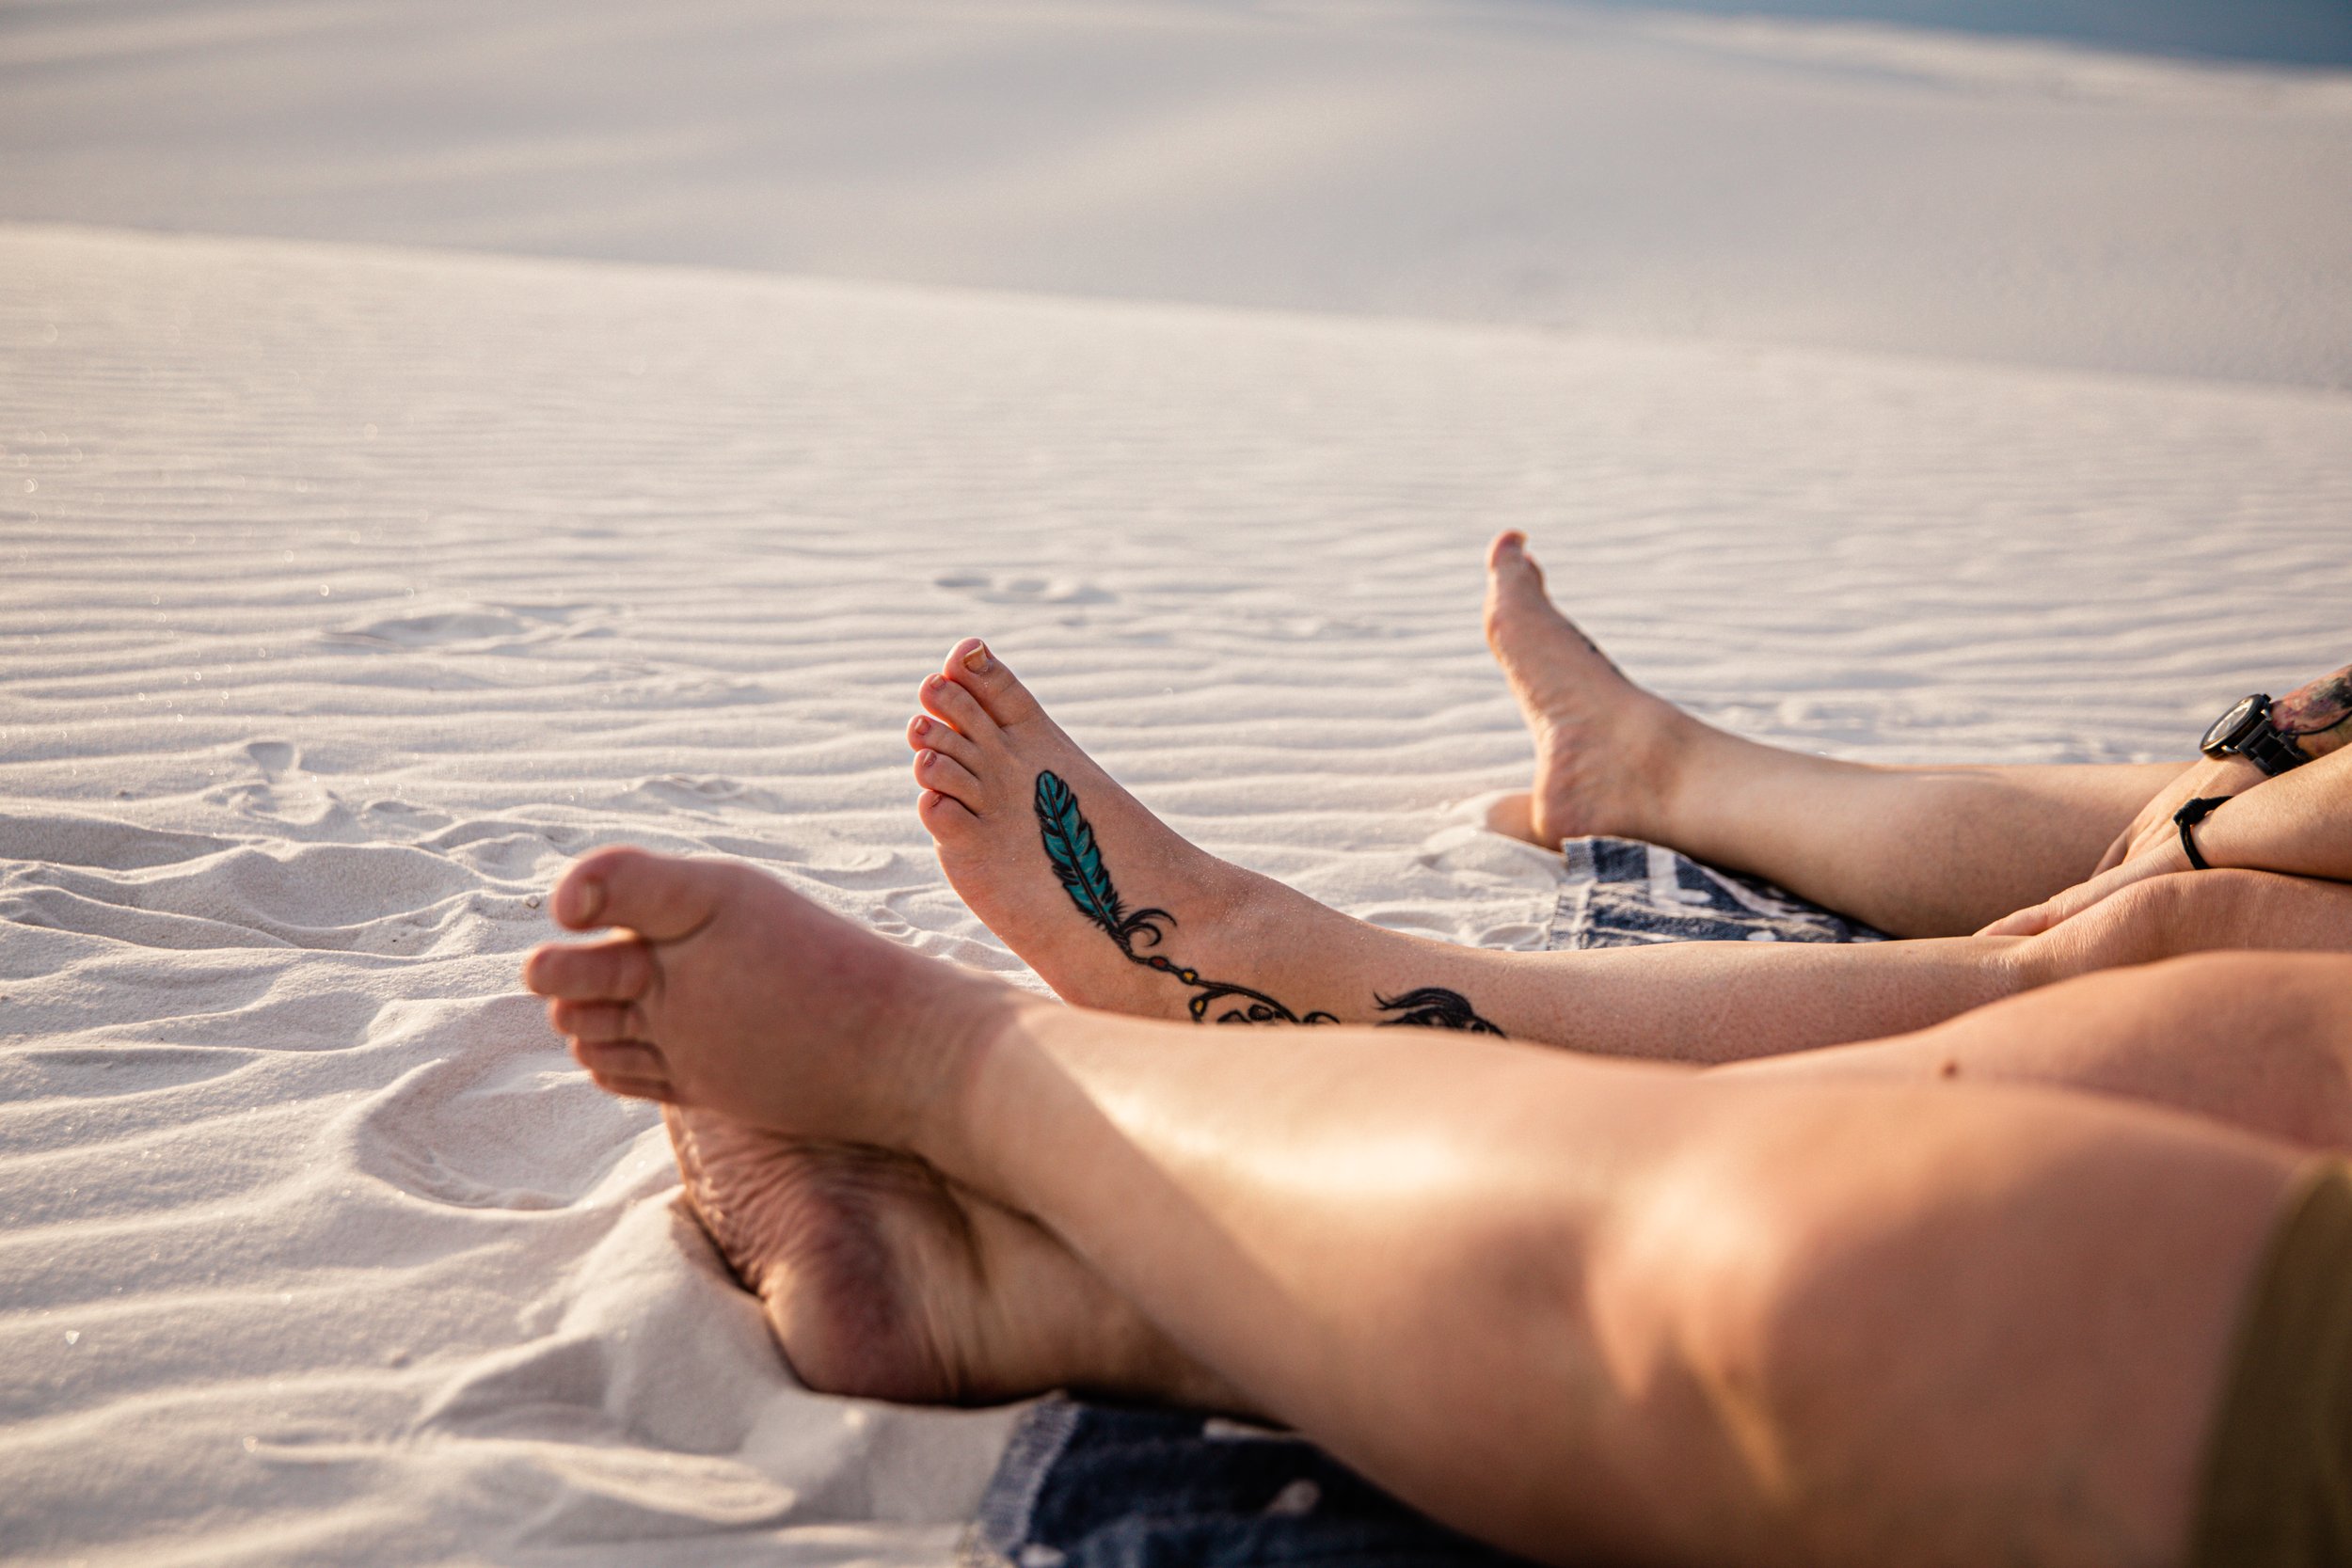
x,y
2194,846
2320,743
2207,837
2317,716
2232,776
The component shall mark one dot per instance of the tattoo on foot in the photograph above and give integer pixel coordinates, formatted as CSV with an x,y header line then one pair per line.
x,y
1078,861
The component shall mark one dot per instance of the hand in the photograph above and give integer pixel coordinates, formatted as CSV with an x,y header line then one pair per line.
x,y
2154,824
2160,859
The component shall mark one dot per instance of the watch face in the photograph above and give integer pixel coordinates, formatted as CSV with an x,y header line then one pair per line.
x,y
2232,726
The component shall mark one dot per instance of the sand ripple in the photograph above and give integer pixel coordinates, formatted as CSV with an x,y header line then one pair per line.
x,y
346,594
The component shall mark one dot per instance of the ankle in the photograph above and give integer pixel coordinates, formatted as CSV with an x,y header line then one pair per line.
x,y
959,1031
986,1036
1672,754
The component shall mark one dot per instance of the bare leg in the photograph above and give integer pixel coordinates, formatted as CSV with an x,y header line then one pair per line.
x,y
1751,1320
1915,852
882,1279
1115,911
2259,1041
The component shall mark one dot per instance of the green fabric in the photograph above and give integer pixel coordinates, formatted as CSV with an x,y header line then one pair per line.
x,y
2278,1473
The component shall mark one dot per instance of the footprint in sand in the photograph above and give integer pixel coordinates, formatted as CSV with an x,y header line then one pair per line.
x,y
473,627
273,757
495,1117
285,792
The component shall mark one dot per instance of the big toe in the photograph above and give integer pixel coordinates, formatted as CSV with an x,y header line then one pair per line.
x,y
1515,584
972,666
1508,551
660,898
1534,642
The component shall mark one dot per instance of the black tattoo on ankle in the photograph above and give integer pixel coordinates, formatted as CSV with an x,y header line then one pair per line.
x,y
1078,861
1433,1008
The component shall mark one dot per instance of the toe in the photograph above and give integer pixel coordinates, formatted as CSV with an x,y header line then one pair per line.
x,y
630,1060
655,1089
943,774
658,896
616,969
597,1022
1536,643
947,701
971,666
944,817
926,733
1514,579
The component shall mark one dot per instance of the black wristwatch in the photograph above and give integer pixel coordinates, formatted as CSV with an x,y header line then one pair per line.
x,y
2245,732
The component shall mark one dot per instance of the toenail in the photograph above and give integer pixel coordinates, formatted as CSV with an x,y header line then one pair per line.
x,y
921,726
977,660
590,900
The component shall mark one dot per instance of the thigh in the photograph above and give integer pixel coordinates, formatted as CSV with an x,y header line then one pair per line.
x,y
1992,1320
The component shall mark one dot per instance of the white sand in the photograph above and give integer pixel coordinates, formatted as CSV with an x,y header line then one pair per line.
x,y
344,594
347,594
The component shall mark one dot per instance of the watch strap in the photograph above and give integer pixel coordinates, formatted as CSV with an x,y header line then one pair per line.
x,y
2273,752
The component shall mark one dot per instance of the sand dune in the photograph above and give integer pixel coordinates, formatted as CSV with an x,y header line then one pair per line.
x,y
1834,179
347,593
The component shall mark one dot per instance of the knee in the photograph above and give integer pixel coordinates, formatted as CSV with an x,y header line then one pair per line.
x,y
2164,917
2192,911
1765,1279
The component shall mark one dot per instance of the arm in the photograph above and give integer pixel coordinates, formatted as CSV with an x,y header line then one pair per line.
x,y
2317,714
2299,824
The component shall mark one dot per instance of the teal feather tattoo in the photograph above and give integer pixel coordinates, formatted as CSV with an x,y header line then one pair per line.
x,y
1077,859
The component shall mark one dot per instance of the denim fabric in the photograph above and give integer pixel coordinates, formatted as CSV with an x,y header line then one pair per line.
x,y
1124,1487
1089,1486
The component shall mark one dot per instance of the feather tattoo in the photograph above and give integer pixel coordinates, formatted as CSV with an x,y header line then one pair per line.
x,y
1077,859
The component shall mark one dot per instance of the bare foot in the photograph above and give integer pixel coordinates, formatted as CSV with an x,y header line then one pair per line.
x,y
1603,746
718,976
786,1044
880,1279
1102,898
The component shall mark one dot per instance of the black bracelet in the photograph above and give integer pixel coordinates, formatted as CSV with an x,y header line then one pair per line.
x,y
2189,816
